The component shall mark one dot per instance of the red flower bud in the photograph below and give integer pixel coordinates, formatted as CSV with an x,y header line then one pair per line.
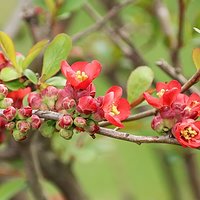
x,y
3,91
9,113
68,103
23,126
10,126
91,127
65,121
35,121
6,102
50,91
87,105
34,100
24,112
80,122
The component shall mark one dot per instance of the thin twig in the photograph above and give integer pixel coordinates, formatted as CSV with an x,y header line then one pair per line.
x,y
112,13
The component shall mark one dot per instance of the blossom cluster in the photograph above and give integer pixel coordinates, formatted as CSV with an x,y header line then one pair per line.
x,y
177,113
81,110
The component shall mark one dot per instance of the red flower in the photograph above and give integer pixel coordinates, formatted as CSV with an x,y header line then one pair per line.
x,y
81,74
187,133
18,96
167,93
3,61
115,108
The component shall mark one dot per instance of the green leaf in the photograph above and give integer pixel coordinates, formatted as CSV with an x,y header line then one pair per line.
x,y
51,6
57,81
31,76
57,51
196,29
8,47
34,52
9,74
10,188
138,82
14,85
196,57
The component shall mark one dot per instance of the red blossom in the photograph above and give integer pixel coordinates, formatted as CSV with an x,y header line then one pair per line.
x,y
3,61
115,108
167,93
18,96
87,105
81,74
187,133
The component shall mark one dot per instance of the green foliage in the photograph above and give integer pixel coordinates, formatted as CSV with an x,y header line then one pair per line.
x,y
7,46
14,85
34,52
31,76
57,50
9,74
47,128
10,188
57,81
138,82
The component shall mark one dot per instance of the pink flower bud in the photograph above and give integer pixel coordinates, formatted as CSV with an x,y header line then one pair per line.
x,y
35,121
50,91
9,113
68,103
24,112
65,121
91,127
34,100
3,91
6,102
80,122
10,126
23,126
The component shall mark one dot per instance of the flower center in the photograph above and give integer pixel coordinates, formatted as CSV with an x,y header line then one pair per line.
x,y
188,133
161,92
114,110
192,105
81,76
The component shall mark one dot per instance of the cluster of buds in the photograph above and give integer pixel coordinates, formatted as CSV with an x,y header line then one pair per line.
x,y
81,110
177,113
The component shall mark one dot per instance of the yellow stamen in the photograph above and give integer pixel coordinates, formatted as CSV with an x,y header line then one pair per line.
x,y
188,133
161,92
81,76
114,110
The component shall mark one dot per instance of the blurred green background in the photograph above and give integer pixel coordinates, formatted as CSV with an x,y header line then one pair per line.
x,y
116,170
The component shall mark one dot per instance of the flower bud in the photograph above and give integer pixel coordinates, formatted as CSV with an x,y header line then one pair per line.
x,y
35,121
6,102
9,113
34,100
91,127
66,133
87,105
19,136
50,91
23,126
3,91
24,113
65,121
47,128
80,122
68,103
10,126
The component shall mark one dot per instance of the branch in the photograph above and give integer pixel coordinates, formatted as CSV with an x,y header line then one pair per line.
x,y
111,14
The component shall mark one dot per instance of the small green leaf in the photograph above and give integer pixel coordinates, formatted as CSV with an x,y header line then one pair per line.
x,y
10,188
9,74
8,47
57,81
57,51
138,82
34,52
30,75
196,57
14,85
196,29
